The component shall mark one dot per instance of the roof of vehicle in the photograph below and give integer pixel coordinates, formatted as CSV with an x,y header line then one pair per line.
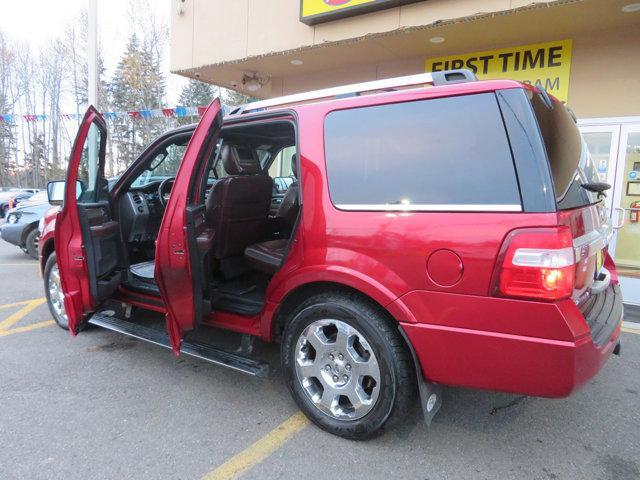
x,y
378,91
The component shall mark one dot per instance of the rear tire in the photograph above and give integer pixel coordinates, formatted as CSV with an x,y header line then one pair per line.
x,y
31,243
53,292
346,365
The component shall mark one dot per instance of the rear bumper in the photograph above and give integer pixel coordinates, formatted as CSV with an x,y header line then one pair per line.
x,y
525,347
12,233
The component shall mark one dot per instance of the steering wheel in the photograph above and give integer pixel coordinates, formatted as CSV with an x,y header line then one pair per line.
x,y
162,195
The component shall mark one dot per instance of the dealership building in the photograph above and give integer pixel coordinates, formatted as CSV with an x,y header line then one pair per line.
x,y
585,52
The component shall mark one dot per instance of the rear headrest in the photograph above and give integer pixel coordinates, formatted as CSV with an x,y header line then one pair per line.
x,y
294,165
239,160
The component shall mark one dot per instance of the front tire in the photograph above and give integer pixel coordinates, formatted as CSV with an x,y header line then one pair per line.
x,y
53,292
346,365
31,243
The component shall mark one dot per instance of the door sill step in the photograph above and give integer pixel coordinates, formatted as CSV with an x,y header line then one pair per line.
x,y
199,350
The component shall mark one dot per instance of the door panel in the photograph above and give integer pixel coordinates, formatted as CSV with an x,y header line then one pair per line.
x,y
627,252
102,245
602,142
179,270
87,264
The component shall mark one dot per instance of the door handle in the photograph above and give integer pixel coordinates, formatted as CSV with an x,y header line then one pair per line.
x,y
621,218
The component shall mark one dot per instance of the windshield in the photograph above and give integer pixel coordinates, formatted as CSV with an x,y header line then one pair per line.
x,y
164,165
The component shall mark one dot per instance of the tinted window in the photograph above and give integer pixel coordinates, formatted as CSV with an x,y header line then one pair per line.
x,y
448,151
569,158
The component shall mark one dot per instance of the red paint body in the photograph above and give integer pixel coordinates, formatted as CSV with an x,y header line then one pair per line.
x,y
71,250
461,334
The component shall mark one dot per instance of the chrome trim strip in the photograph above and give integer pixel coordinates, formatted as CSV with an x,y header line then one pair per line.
x,y
592,242
386,207
409,80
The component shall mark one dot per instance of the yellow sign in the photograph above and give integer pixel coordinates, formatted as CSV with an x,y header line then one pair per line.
x,y
546,65
314,7
316,11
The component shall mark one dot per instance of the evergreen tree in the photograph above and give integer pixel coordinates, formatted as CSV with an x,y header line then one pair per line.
x,y
137,84
232,99
36,159
196,94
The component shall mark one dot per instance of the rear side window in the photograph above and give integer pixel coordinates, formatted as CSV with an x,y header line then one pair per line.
x,y
569,158
441,154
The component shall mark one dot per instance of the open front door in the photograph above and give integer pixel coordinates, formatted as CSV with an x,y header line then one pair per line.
x,y
86,236
179,268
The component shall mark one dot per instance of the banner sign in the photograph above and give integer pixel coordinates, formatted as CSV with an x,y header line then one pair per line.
x,y
546,65
318,11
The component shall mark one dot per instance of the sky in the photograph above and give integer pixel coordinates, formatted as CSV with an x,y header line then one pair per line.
x,y
36,21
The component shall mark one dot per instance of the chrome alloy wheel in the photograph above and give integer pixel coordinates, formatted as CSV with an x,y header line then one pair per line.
x,y
55,292
337,369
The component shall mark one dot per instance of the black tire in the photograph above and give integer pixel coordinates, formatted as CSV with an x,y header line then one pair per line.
x,y
31,243
5,210
59,319
397,376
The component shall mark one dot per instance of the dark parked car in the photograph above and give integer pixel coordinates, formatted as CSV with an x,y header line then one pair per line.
x,y
21,225
13,197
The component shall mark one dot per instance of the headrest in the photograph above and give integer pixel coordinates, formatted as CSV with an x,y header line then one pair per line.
x,y
239,160
294,165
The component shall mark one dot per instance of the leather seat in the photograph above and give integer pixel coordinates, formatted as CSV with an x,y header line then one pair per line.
x,y
288,209
268,256
238,205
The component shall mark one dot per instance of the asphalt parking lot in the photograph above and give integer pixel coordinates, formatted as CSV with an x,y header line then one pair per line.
x,y
107,407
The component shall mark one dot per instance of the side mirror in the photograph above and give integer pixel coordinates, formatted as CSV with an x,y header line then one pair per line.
x,y
56,191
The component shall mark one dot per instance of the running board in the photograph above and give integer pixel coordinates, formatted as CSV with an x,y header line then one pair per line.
x,y
199,350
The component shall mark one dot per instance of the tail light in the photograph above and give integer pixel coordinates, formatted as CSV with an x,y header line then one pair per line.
x,y
536,263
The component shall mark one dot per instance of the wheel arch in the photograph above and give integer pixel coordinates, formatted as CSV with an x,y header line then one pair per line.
x,y
297,295
46,250
26,231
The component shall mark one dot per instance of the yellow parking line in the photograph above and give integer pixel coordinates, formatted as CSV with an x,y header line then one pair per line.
x,y
16,304
19,264
259,450
20,314
631,330
26,328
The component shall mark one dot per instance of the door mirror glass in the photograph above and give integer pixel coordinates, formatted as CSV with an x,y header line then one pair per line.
x,y
55,191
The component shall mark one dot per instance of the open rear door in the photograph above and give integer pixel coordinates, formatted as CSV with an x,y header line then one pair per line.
x,y
179,269
86,236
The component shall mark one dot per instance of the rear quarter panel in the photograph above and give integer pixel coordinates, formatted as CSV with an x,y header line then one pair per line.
x,y
384,254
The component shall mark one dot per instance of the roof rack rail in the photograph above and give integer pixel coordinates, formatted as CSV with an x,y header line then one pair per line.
x,y
434,78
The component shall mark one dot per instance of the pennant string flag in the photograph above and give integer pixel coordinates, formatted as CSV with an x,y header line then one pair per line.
x,y
178,111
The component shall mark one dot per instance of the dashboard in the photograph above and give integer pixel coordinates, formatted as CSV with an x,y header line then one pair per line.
x,y
141,213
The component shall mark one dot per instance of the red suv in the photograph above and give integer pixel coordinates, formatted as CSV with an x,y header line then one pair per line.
x,y
435,230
